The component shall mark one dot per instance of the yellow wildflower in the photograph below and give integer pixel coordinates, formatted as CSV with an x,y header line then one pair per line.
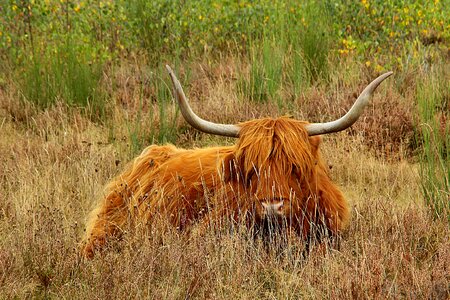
x,y
365,3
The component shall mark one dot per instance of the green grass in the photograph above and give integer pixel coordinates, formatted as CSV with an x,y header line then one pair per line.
x,y
282,37
64,75
158,124
167,132
433,95
314,40
265,75
291,55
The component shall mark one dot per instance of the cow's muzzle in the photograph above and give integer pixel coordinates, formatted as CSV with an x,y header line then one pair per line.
x,y
273,208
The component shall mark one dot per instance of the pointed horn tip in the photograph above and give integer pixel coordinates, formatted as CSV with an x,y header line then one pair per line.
x,y
386,75
319,128
389,73
376,82
173,77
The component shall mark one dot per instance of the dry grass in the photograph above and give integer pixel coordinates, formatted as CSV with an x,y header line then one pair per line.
x,y
54,164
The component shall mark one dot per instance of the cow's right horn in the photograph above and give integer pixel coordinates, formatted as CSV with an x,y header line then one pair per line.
x,y
352,115
193,119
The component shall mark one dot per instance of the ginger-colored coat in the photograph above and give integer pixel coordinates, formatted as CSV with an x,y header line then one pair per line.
x,y
275,170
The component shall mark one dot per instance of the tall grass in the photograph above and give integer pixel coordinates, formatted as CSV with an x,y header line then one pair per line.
x,y
266,72
314,39
168,111
291,54
156,27
159,124
433,100
391,248
49,181
66,74
296,37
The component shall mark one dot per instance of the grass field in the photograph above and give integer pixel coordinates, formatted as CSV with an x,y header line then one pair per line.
x,y
83,90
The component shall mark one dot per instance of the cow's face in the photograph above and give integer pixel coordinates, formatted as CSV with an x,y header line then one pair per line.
x,y
276,162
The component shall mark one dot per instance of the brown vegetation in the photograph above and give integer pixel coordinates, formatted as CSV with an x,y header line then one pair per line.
x,y
54,165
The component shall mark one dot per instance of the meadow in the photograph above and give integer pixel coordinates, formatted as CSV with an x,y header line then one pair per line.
x,y
83,90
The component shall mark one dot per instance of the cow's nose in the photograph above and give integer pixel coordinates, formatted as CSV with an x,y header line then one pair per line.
x,y
272,208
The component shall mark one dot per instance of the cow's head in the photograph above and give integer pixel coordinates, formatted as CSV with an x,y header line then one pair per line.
x,y
275,159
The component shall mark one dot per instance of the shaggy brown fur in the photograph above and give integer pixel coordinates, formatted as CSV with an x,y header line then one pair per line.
x,y
274,160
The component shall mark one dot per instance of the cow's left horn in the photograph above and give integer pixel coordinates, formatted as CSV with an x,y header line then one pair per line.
x,y
352,115
193,119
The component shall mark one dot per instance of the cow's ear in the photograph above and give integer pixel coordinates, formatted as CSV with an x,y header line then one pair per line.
x,y
315,141
229,168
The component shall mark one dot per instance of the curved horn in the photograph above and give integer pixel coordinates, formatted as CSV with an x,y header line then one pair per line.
x,y
352,115
193,119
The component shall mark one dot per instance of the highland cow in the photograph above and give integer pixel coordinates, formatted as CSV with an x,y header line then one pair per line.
x,y
275,171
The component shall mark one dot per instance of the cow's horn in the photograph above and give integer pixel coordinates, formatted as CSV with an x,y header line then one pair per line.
x,y
352,115
193,119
